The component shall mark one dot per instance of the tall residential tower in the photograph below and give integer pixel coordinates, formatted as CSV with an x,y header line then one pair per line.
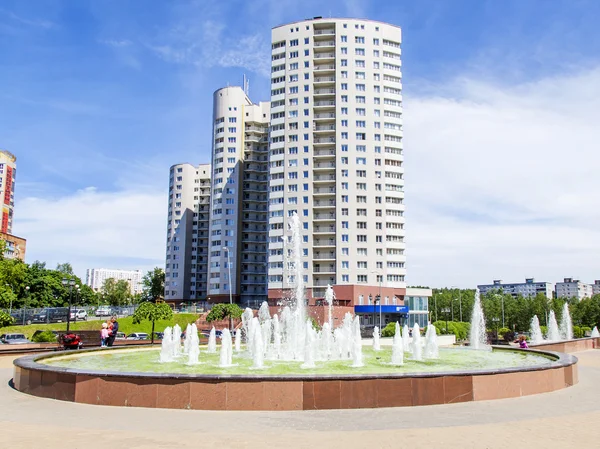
x,y
336,157
8,172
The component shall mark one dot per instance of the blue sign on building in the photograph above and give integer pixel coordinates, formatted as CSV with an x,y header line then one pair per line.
x,y
403,310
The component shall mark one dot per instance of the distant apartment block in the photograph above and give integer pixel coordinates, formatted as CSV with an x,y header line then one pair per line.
x,y
574,288
95,278
596,287
527,289
15,246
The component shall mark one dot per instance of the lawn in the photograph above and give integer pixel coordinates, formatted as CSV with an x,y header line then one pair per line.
x,y
125,325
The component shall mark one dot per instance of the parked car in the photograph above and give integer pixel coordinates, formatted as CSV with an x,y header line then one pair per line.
x,y
137,336
18,316
121,336
51,315
159,335
103,311
14,339
79,315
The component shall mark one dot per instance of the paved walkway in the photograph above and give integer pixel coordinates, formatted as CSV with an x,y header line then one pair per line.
x,y
564,419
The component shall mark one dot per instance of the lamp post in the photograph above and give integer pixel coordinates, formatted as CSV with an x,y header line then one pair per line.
x,y
459,302
70,283
502,302
230,293
496,320
13,294
25,309
76,302
378,297
446,310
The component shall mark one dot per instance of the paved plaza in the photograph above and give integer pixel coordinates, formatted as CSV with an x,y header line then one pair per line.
x,y
563,419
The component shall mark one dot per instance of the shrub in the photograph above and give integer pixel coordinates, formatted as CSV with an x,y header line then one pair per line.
x,y
586,330
44,337
389,330
6,319
458,328
577,332
544,330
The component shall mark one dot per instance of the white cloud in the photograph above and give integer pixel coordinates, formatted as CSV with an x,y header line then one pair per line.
x,y
124,229
501,181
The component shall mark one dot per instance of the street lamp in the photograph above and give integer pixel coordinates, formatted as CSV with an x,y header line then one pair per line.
x,y
225,248
496,320
70,283
13,293
446,310
459,302
378,297
502,299
25,309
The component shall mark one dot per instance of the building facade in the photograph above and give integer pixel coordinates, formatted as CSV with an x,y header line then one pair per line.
x,y
527,289
573,288
8,172
336,157
15,247
186,267
95,278
596,287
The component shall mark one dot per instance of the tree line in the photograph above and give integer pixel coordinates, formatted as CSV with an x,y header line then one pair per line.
x,y
35,286
446,304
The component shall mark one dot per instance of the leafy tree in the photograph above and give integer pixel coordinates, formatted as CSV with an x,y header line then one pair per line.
x,y
116,292
65,268
154,284
224,310
152,312
389,330
5,319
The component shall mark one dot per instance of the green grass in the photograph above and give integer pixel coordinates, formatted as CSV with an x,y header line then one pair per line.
x,y
125,325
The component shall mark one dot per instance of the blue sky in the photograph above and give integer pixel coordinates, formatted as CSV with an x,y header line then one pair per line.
x,y
101,97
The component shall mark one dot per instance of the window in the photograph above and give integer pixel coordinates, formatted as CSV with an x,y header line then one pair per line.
x,y
359,40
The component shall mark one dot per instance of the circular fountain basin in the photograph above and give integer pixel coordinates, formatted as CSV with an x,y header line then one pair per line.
x,y
133,377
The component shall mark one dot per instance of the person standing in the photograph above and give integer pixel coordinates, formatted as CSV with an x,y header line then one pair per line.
x,y
113,331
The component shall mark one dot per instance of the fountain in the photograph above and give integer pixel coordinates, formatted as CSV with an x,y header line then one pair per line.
x,y
287,344
566,325
595,333
193,344
397,347
553,332
416,345
166,350
238,340
535,331
431,346
226,353
406,339
477,334
212,341
376,345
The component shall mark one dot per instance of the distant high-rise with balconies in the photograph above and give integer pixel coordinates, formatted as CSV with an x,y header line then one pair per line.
x,y
336,157
8,172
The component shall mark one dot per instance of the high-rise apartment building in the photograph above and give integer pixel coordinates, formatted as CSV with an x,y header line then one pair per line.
x,y
8,172
95,278
336,157
186,264
217,228
239,200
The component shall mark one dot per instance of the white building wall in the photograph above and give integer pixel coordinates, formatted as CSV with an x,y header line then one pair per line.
x,y
95,278
573,288
336,153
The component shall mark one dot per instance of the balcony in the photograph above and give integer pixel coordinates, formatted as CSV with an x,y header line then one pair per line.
x,y
330,91
322,243
324,153
324,166
322,283
324,229
324,116
323,203
323,140
325,68
324,191
324,56
256,129
324,256
324,217
324,178
324,128
256,139
325,32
